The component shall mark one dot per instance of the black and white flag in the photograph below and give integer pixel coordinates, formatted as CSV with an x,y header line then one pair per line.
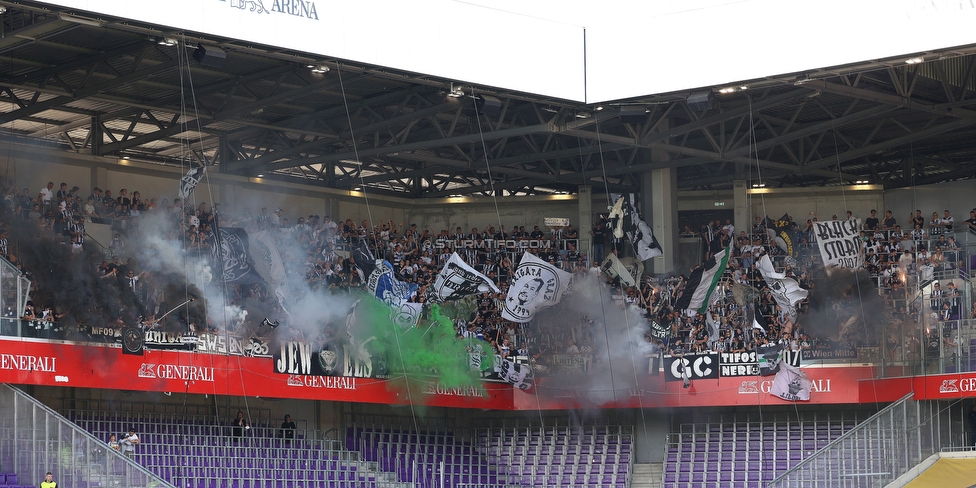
x,y
640,233
536,285
233,258
626,220
786,291
702,282
457,280
840,243
791,384
614,268
770,356
363,257
517,375
189,181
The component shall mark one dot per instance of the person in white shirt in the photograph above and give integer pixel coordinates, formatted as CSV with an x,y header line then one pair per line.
x,y
47,194
129,443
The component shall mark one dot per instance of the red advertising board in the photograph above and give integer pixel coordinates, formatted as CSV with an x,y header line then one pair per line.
x,y
47,363
831,385
944,386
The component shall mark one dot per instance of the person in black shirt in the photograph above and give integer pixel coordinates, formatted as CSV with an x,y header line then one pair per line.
x,y
599,234
123,198
917,219
239,425
872,222
288,429
889,221
971,221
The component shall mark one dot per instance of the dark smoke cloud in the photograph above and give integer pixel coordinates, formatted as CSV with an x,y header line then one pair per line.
x,y
836,298
617,335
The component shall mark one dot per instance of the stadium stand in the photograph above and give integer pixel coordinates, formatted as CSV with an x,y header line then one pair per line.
x,y
200,451
556,456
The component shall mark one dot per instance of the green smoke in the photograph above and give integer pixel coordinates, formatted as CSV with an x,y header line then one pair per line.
x,y
431,350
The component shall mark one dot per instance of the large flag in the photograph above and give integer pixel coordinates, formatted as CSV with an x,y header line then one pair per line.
x,y
233,257
518,375
536,285
791,384
189,181
384,285
701,283
840,243
786,291
626,219
457,280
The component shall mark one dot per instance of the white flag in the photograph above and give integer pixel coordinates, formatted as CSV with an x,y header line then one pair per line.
x,y
840,243
189,181
457,280
791,384
536,285
786,291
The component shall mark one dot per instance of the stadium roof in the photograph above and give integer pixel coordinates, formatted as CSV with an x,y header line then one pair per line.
x,y
116,87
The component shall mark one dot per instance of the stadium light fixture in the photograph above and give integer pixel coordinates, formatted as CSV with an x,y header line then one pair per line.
x,y
456,92
320,69
915,60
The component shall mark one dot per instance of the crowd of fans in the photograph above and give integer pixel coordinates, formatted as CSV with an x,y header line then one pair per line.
x,y
316,249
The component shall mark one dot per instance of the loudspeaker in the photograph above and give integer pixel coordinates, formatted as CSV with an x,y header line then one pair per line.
x,y
210,56
702,101
633,115
489,105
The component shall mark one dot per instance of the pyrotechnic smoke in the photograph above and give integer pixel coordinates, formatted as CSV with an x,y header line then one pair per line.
x,y
619,348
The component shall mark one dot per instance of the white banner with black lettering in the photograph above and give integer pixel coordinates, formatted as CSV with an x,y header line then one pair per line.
x,y
840,243
696,367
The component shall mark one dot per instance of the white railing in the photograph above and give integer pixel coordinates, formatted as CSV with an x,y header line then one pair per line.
x,y
881,448
34,440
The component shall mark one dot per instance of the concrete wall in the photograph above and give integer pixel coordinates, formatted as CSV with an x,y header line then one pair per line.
x,y
959,197
804,203
480,212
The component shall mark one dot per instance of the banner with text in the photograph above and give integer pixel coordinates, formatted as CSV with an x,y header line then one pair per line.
x,y
840,243
694,366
